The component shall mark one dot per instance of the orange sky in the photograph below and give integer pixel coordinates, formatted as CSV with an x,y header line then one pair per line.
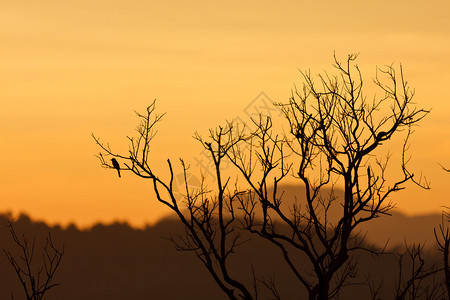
x,y
69,68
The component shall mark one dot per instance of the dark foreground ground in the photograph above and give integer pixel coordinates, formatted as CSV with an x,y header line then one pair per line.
x,y
119,262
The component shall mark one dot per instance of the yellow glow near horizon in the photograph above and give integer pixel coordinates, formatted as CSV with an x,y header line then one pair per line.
x,y
69,68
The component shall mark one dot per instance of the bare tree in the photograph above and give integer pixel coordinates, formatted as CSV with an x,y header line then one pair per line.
x,y
335,136
375,287
208,219
334,132
442,236
415,277
36,279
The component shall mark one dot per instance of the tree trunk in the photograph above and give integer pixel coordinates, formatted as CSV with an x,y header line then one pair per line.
x,y
446,266
320,291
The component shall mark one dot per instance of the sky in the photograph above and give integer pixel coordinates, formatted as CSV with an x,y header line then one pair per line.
x,y
72,68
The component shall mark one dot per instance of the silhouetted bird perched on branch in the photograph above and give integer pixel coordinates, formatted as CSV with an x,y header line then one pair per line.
x,y
381,135
116,165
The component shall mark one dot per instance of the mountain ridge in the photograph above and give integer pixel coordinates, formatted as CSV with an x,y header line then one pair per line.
x,y
117,261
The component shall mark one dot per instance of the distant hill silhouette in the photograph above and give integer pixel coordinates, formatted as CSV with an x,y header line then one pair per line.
x,y
396,228
119,262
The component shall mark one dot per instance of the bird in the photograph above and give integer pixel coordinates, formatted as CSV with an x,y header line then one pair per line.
x,y
381,135
116,165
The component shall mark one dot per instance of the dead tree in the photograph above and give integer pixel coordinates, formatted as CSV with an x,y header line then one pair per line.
x,y
443,240
416,277
334,133
36,279
208,219
442,235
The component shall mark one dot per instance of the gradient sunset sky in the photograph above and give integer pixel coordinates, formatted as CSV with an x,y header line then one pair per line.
x,y
69,68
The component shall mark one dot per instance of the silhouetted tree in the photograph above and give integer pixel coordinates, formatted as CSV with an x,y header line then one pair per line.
x,y
335,138
442,236
36,279
210,234
415,277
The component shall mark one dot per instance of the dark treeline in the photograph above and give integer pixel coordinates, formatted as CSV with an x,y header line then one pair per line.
x,y
119,262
